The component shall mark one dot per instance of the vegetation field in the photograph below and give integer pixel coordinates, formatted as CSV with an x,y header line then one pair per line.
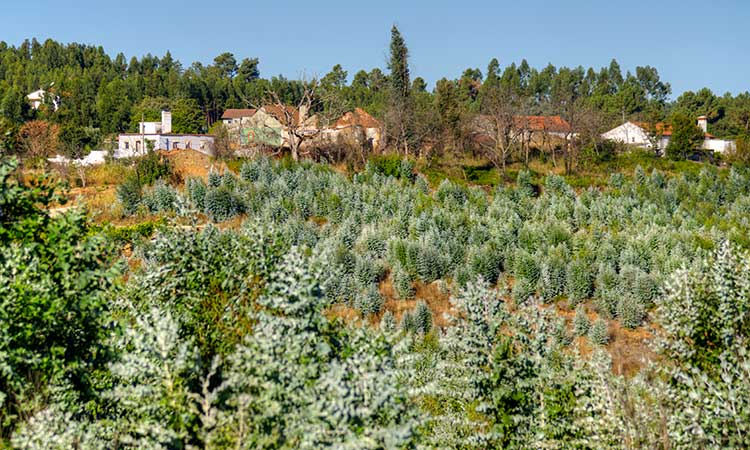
x,y
291,305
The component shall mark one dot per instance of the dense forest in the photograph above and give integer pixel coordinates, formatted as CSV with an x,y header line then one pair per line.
x,y
99,95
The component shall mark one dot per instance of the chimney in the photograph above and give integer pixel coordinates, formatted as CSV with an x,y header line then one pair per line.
x,y
703,123
166,122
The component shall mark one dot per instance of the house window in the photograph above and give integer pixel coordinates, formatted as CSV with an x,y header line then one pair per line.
x,y
632,139
127,145
174,146
137,145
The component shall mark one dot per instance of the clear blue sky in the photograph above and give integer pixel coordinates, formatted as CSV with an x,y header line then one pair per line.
x,y
693,44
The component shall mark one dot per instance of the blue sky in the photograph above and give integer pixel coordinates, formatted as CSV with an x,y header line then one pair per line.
x,y
693,44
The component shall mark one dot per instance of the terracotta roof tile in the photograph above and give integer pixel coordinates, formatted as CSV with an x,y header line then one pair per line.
x,y
357,117
238,113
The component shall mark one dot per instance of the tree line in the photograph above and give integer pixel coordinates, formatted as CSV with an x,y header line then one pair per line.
x,y
98,95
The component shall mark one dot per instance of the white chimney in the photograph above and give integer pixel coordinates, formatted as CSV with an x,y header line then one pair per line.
x,y
703,123
166,122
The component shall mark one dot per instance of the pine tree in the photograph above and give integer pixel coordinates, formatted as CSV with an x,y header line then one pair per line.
x,y
400,108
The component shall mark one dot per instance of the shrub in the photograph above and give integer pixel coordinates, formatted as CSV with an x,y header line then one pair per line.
x,y
388,323
214,178
422,318
408,323
581,322
524,186
129,194
160,198
402,283
560,333
599,332
578,281
151,167
630,311
196,190
221,204
370,301
522,290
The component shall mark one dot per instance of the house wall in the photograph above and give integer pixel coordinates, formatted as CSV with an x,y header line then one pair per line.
x,y
628,133
718,145
260,129
130,144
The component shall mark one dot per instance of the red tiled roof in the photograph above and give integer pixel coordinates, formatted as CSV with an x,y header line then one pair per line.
x,y
358,117
542,123
665,129
238,113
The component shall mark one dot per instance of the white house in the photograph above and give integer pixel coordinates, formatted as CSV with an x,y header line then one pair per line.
x,y
36,99
642,135
160,135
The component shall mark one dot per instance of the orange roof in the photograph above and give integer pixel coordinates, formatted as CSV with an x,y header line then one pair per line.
x,y
542,123
238,113
665,129
358,117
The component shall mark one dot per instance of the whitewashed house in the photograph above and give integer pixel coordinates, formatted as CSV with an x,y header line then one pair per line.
x,y
159,136
36,99
643,135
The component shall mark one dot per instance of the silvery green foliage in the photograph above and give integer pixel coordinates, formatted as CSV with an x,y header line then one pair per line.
x,y
221,204
705,318
599,332
553,274
370,300
152,406
196,190
468,346
214,178
388,323
422,317
630,311
578,281
292,386
160,198
615,412
402,283
494,376
581,322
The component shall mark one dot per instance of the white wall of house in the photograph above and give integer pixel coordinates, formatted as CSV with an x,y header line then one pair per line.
x,y
132,144
718,145
631,134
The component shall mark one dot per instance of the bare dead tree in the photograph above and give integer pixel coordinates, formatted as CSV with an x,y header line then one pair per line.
x,y
498,134
306,119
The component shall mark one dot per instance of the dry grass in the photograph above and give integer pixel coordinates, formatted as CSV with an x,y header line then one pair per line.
x,y
191,163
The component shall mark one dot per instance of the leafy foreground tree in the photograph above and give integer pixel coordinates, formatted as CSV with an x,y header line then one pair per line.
x,y
496,380
699,395
298,381
53,281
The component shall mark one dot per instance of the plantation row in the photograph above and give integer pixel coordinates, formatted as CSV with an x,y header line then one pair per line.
x,y
616,246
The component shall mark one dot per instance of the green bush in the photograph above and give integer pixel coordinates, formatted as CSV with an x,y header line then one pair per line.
x,y
130,194
581,322
222,204
599,332
422,318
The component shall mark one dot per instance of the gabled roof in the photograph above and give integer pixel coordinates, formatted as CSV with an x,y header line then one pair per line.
x,y
358,117
238,113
